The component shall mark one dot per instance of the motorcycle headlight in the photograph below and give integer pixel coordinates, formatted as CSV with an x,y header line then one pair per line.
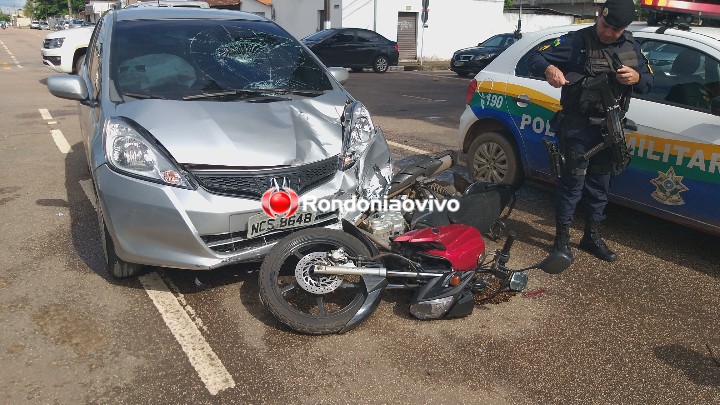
x,y
56,43
484,56
432,309
131,150
358,131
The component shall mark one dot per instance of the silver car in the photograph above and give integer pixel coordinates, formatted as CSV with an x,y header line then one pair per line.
x,y
190,116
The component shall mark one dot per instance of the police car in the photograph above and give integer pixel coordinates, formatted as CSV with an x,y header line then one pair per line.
x,y
675,168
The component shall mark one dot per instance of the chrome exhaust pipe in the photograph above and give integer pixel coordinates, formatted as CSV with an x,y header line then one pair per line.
x,y
370,271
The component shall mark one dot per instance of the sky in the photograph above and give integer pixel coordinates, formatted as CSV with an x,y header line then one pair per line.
x,y
7,5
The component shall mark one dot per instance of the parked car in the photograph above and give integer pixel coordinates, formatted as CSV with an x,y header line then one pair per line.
x,y
353,48
189,116
472,60
35,25
44,25
64,51
675,168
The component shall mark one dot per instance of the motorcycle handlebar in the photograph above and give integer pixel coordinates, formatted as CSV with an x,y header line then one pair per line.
x,y
504,255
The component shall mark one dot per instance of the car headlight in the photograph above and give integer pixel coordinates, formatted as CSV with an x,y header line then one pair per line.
x,y
483,56
131,150
56,43
358,131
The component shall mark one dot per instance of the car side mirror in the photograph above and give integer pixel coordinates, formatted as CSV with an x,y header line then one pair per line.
x,y
71,87
715,106
555,263
340,74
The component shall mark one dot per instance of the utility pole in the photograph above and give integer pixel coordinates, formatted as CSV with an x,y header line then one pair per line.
x,y
70,9
375,15
327,14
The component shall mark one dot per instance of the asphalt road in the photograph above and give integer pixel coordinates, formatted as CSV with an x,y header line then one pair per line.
x,y
641,330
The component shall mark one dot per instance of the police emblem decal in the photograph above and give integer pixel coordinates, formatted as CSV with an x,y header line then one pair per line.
x,y
668,188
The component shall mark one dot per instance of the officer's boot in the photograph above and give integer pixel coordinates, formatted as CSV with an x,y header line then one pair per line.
x,y
562,239
592,242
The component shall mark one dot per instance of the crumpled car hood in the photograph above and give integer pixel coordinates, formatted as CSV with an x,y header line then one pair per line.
x,y
243,134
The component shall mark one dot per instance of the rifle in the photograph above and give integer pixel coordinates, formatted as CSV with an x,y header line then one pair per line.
x,y
613,133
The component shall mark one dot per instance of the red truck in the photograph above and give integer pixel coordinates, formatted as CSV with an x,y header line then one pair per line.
x,y
670,11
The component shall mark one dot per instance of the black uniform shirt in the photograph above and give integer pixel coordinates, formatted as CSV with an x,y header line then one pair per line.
x,y
568,54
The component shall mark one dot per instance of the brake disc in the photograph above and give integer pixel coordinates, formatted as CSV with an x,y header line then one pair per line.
x,y
316,284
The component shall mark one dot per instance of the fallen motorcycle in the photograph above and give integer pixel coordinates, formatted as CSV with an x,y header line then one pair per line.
x,y
322,281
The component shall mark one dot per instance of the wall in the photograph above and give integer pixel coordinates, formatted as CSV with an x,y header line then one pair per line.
x,y
452,24
535,22
252,6
301,17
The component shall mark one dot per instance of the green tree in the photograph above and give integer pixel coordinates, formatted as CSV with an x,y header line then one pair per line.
x,y
4,17
50,8
509,3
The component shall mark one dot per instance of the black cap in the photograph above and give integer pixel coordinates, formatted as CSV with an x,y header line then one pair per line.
x,y
619,13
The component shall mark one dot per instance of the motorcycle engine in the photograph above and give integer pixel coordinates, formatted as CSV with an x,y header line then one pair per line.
x,y
386,224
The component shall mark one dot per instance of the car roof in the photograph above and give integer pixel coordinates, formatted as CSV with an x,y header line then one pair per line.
x,y
162,13
707,35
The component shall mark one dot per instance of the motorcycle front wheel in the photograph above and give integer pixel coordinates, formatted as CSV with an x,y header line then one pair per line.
x,y
305,302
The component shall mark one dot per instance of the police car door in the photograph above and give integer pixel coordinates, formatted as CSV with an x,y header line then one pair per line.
x,y
675,168
533,103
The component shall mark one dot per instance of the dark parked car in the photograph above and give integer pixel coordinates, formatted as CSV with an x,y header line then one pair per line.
x,y
354,48
472,60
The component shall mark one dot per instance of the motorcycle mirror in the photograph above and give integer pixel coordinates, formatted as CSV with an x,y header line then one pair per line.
x,y
555,263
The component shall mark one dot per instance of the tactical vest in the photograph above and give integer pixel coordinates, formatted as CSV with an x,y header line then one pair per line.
x,y
587,102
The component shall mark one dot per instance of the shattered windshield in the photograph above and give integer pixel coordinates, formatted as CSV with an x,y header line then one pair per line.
x,y
201,59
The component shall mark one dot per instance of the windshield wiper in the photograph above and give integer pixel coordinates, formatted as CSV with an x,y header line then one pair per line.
x,y
143,96
259,92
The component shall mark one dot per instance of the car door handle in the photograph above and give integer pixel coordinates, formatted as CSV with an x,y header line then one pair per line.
x,y
522,99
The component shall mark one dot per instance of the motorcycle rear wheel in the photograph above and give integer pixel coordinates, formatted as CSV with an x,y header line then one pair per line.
x,y
285,284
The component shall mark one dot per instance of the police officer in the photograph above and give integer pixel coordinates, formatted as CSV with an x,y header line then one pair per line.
x,y
589,52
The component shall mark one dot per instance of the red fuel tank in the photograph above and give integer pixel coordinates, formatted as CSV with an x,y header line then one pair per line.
x,y
461,245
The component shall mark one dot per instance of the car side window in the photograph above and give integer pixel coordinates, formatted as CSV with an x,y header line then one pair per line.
x,y
346,37
94,61
683,76
522,70
366,37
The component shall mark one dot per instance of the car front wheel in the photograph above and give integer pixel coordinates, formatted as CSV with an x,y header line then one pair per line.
x,y
117,267
381,64
495,159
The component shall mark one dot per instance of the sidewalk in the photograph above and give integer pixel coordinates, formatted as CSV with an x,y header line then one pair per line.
x,y
426,65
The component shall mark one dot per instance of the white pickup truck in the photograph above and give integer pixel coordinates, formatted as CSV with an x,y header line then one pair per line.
x,y
63,51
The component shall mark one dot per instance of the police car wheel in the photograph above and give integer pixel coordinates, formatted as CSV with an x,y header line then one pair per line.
x,y
493,158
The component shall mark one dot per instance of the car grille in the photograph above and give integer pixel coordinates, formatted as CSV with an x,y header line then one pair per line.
x,y
464,57
253,183
236,241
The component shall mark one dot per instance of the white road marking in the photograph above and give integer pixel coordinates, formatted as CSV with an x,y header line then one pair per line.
x,y
201,356
60,141
11,56
423,98
460,162
45,114
52,122
410,148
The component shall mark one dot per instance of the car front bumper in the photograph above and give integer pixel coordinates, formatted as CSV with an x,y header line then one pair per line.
x,y
159,225
52,59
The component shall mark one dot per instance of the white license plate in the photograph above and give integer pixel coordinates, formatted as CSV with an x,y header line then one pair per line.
x,y
459,63
261,224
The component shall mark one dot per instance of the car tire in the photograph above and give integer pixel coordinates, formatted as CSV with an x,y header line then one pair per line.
x,y
357,69
115,266
493,158
381,64
77,64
